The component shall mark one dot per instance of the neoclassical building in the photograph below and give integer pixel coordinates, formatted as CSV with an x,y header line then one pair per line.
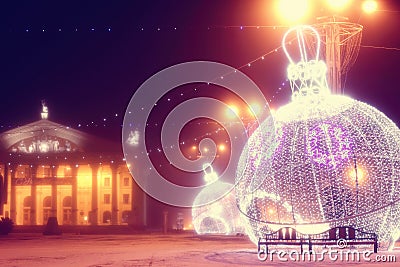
x,y
48,169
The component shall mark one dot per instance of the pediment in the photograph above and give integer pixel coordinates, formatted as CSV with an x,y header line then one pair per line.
x,y
45,136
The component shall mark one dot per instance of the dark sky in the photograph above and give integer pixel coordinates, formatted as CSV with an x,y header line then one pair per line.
x,y
87,58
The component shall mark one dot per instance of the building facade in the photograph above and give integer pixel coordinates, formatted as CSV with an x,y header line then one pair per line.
x,y
51,170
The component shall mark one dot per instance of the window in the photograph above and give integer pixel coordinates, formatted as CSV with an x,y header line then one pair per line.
x,y
67,210
67,201
44,171
46,209
28,201
107,181
125,198
126,181
107,217
27,172
47,202
125,216
107,199
67,171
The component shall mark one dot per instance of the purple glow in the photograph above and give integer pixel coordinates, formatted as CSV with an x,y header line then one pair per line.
x,y
328,144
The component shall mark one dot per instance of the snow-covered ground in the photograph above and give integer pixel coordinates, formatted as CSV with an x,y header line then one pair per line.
x,y
141,250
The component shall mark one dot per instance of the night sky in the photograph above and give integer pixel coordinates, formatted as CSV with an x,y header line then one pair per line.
x,y
86,59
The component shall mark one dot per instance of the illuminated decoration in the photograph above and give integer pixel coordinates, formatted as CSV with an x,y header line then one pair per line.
x,y
341,41
209,177
340,144
133,138
45,111
221,216
44,144
337,162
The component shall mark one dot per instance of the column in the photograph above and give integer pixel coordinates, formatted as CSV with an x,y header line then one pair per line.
x,y
114,197
13,198
95,209
74,194
33,194
54,191
3,189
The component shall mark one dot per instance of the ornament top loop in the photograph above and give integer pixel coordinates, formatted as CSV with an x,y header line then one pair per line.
x,y
302,44
308,76
209,177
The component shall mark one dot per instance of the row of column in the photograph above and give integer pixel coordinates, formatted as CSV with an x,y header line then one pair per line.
x,y
74,194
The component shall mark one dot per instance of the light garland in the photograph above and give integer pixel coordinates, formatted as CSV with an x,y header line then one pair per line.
x,y
336,163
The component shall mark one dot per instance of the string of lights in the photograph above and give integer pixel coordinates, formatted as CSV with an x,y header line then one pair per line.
x,y
381,47
110,29
115,118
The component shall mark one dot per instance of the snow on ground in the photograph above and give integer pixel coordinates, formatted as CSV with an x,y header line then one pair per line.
x,y
142,250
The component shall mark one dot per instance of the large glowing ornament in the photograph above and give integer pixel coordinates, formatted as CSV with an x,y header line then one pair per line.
x,y
336,162
221,216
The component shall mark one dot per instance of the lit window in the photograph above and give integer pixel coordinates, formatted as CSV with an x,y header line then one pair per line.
x,y
126,181
107,181
107,199
125,198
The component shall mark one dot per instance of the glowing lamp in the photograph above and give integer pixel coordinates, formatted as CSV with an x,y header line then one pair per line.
x,y
338,4
369,6
221,147
293,10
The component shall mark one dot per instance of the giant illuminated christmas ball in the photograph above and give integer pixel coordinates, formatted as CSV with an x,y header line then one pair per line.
x,y
221,216
335,162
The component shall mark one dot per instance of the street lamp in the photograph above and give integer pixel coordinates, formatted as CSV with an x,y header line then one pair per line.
x,y
293,10
221,147
369,6
338,4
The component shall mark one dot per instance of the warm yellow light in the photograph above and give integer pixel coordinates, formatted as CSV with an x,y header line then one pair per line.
x,y
358,177
270,211
232,111
194,147
221,147
338,4
205,149
293,10
370,6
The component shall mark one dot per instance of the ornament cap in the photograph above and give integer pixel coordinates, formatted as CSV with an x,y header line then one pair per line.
x,y
307,76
